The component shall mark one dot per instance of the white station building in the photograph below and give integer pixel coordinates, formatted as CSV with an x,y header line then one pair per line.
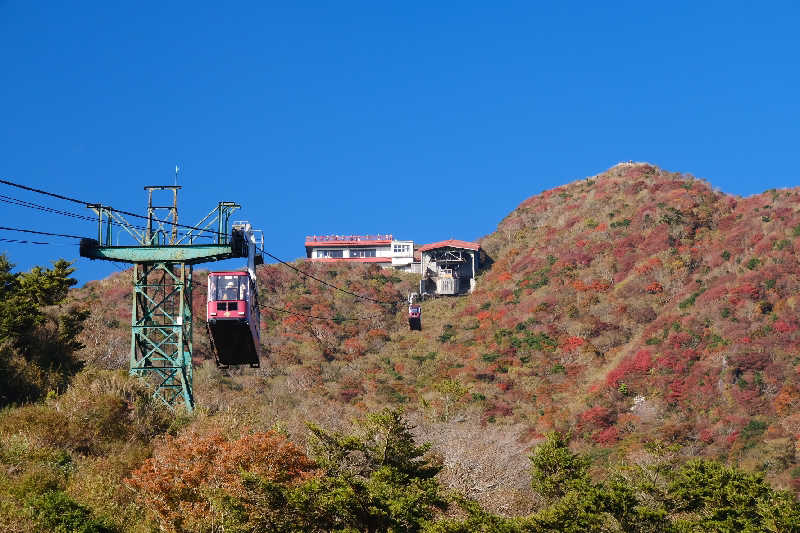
x,y
382,249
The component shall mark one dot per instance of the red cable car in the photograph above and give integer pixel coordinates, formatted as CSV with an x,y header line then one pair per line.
x,y
234,318
415,317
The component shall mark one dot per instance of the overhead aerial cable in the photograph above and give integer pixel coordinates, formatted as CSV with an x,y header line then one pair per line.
x,y
41,232
18,241
84,203
23,203
32,205
332,319
315,317
137,215
331,285
39,191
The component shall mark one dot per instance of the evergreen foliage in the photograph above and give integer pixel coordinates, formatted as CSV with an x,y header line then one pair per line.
x,y
555,469
56,512
38,340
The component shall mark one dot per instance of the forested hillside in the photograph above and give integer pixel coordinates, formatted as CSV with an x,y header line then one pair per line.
x,y
633,333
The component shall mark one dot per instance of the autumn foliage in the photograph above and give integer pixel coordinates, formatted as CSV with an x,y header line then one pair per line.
x,y
183,480
635,310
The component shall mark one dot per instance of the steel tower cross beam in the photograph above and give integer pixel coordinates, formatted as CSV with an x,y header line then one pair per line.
x,y
163,261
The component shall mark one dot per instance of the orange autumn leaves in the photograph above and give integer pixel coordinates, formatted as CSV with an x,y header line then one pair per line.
x,y
180,482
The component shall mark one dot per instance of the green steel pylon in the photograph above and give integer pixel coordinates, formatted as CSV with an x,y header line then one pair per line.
x,y
161,330
161,315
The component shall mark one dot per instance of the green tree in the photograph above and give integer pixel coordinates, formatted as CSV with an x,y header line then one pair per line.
x,y
376,479
555,469
715,497
576,503
37,338
389,478
478,520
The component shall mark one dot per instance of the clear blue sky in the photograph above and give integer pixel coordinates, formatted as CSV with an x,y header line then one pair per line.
x,y
428,120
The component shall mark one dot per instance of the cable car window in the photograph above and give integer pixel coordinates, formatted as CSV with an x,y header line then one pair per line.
x,y
212,288
228,288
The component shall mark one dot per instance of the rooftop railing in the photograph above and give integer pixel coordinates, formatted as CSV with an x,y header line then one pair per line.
x,y
349,238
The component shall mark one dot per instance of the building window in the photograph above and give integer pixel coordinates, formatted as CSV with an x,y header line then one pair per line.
x,y
330,253
363,252
402,248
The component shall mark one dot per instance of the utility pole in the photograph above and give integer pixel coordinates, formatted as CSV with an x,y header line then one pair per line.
x,y
163,261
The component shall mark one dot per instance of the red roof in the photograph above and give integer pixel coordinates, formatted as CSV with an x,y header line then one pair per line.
x,y
453,243
350,259
329,244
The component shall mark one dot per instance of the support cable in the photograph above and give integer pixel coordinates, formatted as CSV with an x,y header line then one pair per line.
x,y
39,191
41,232
32,205
22,203
84,203
18,241
331,285
334,319
263,251
289,312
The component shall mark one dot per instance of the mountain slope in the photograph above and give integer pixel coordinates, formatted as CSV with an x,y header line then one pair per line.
x,y
634,306
669,307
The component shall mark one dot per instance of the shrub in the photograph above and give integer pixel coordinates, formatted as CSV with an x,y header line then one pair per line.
x,y
624,223
193,471
606,436
99,411
688,302
654,288
537,283
55,511
573,343
782,326
596,417
447,336
754,428
541,341
640,362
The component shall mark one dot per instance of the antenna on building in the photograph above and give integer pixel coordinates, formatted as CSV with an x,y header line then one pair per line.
x,y
177,169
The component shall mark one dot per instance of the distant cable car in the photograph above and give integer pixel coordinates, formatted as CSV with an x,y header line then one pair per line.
x,y
232,312
414,314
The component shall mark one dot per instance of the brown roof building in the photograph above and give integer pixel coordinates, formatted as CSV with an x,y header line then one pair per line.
x,y
449,267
